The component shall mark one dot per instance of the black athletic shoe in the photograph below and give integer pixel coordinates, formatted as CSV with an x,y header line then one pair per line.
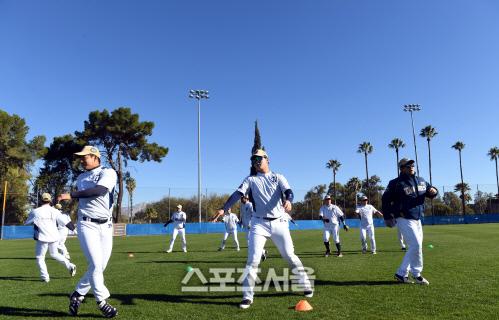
x,y
74,303
245,304
402,279
264,256
108,311
327,254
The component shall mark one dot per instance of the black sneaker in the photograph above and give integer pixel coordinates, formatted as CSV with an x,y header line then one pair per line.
x,y
401,279
108,311
264,256
308,293
327,254
245,304
74,303
404,249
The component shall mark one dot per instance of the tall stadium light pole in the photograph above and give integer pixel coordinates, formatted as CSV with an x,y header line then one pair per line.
x,y
413,108
198,95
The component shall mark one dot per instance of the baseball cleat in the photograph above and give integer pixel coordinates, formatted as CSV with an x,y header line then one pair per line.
x,y
339,255
168,251
364,251
108,311
238,249
422,281
46,280
308,293
72,270
185,250
264,256
220,249
327,254
74,303
374,252
404,249
245,304
402,279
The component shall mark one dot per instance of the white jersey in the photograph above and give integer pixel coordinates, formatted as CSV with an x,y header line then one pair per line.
x,y
63,221
179,218
230,221
332,213
267,193
366,214
100,207
45,219
246,213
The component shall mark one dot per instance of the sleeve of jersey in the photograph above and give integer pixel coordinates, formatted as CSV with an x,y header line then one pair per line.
x,y
108,179
244,187
233,199
31,218
62,219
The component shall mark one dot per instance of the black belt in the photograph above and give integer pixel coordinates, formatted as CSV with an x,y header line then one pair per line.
x,y
270,219
99,221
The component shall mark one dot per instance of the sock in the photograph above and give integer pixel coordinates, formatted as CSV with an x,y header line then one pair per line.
x,y
338,246
327,246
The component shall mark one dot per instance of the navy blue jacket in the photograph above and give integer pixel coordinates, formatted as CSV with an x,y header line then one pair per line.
x,y
404,197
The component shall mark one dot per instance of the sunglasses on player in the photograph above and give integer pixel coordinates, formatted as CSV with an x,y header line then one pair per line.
x,y
257,159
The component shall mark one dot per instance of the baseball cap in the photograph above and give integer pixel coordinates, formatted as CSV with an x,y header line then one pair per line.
x,y
58,206
327,197
405,162
179,206
260,153
363,198
89,150
46,197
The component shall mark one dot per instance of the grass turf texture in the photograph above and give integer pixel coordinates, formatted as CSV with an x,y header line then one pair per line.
x,y
461,267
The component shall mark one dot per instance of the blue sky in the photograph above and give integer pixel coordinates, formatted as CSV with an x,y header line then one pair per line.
x,y
320,77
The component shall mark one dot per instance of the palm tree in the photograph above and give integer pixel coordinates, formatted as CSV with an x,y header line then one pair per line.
x,y
459,146
131,184
366,148
335,166
397,144
463,187
428,132
494,155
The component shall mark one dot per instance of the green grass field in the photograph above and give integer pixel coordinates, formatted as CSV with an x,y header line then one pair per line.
x,y
462,268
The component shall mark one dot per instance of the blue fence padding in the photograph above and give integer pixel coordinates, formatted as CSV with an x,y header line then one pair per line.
x,y
18,232
26,232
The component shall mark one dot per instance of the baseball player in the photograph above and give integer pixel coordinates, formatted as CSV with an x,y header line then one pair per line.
x,y
403,205
365,212
269,220
245,214
95,189
178,219
230,220
331,215
45,219
63,232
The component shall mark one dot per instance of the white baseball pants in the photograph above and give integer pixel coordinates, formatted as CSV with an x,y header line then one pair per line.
x,y
174,236
401,238
63,234
331,229
41,251
412,231
369,230
278,231
226,236
96,242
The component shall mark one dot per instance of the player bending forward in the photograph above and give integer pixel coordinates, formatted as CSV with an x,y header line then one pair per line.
x,y
269,220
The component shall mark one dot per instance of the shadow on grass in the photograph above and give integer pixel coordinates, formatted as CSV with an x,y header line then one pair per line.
x,y
17,258
355,283
25,313
206,299
19,278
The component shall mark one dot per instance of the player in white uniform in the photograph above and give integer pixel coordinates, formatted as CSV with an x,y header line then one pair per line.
x,y
95,189
63,232
45,219
331,215
365,212
272,198
230,220
178,219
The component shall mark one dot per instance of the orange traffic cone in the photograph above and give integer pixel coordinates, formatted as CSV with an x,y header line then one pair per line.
x,y
303,305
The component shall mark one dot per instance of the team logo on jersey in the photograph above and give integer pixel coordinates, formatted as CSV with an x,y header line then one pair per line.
x,y
273,178
409,190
